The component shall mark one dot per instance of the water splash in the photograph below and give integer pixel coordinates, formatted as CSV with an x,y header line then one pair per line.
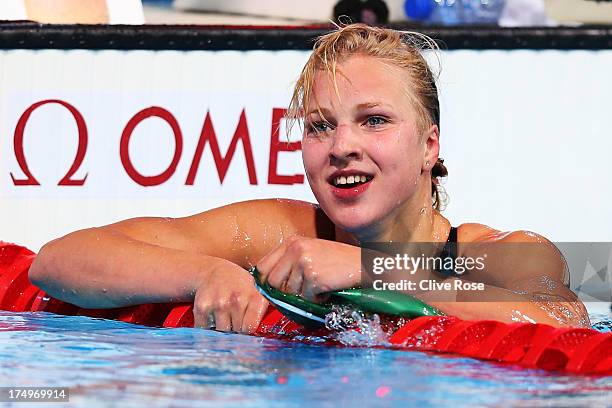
x,y
356,328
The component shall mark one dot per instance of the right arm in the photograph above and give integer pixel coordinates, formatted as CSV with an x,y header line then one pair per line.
x,y
147,260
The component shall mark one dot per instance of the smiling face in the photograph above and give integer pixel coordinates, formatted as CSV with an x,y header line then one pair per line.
x,y
364,155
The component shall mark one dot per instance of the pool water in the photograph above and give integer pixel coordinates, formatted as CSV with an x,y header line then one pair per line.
x,y
109,363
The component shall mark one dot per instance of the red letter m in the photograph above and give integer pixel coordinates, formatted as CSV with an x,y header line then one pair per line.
x,y
222,163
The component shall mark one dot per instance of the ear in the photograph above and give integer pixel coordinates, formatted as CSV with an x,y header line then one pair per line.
x,y
432,147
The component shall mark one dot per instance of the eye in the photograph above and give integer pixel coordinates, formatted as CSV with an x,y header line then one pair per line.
x,y
319,127
375,121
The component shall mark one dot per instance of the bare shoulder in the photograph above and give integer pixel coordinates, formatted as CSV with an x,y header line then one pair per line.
x,y
275,207
521,255
246,231
291,216
474,232
240,232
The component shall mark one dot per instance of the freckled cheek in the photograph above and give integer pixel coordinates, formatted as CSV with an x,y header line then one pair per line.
x,y
388,159
399,166
314,159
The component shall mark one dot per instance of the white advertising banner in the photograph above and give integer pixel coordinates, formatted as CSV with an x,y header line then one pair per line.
x,y
92,137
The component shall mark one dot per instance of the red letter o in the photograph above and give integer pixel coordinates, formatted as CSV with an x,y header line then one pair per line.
x,y
124,153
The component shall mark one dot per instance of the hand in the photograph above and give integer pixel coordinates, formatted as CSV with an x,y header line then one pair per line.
x,y
309,266
228,300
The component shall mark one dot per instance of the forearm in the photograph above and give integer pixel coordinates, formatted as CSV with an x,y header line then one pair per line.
x,y
101,268
508,306
553,304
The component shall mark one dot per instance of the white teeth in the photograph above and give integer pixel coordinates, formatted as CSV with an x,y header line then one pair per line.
x,y
350,180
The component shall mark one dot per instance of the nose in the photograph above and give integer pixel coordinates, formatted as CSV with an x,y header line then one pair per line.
x,y
346,145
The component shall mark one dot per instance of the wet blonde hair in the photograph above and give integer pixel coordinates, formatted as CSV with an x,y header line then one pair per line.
x,y
399,48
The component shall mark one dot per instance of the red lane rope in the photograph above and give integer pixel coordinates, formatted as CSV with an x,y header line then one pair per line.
x,y
575,350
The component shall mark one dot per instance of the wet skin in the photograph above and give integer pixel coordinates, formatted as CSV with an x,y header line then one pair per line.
x,y
364,126
368,129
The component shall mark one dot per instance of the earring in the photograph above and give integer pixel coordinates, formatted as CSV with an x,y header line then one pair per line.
x,y
427,163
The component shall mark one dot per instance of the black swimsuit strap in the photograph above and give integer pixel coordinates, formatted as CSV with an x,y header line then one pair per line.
x,y
452,235
449,251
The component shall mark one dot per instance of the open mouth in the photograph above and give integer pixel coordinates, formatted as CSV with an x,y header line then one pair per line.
x,y
350,181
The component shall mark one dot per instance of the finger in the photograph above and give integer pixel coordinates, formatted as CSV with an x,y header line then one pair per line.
x,y
210,321
266,263
253,315
237,311
223,321
279,274
201,315
295,280
312,286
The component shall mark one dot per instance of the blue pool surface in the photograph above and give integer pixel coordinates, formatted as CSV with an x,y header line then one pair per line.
x,y
107,363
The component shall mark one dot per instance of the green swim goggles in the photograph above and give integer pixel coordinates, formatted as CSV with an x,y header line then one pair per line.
x,y
312,315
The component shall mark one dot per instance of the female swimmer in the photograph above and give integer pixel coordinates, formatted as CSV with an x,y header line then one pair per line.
x,y
370,149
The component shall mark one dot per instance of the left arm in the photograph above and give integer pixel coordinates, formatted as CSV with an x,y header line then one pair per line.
x,y
311,267
527,276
